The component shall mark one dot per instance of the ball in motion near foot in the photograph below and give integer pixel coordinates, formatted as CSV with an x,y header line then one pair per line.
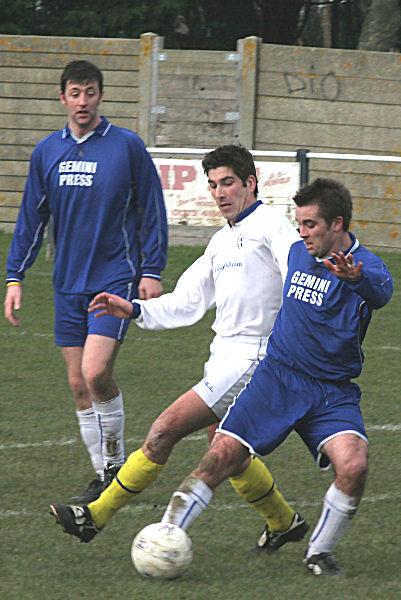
x,y
161,551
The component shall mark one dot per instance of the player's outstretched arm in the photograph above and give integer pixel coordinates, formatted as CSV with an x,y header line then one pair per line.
x,y
344,267
110,304
12,302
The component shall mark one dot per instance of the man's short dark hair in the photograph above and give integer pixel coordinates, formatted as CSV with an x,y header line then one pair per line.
x,y
80,71
332,198
236,157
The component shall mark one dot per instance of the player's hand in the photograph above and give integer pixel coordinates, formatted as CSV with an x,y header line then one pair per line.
x,y
12,302
110,304
150,288
344,267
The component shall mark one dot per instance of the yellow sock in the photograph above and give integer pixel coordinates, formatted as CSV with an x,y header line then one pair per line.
x,y
133,477
256,486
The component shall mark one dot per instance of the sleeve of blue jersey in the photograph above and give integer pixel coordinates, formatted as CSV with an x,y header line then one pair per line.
x,y
32,219
375,284
154,230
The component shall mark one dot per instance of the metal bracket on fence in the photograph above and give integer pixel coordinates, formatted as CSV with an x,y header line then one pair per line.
x,y
232,116
159,110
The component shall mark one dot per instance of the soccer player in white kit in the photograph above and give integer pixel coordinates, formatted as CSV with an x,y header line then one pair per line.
x,y
241,274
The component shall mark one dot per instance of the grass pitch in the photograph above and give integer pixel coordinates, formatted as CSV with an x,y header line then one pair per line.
x,y
43,461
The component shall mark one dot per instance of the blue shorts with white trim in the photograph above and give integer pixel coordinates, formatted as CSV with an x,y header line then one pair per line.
x,y
279,400
73,323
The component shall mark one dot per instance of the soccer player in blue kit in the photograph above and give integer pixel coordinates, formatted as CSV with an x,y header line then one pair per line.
x,y
333,284
100,187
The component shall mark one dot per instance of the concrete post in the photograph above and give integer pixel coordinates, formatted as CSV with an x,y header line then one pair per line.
x,y
249,50
150,47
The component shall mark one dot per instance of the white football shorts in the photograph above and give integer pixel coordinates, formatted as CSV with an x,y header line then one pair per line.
x,y
232,363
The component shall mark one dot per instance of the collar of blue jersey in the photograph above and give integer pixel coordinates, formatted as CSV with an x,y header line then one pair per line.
x,y
247,212
354,245
101,130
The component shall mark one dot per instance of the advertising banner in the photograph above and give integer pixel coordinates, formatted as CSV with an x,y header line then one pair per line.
x,y
189,201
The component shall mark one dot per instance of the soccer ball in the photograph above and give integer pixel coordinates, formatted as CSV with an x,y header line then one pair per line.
x,y
161,551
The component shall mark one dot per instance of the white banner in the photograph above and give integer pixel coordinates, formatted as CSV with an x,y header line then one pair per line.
x,y
189,201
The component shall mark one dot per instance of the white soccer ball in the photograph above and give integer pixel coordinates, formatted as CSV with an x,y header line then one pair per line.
x,y
161,551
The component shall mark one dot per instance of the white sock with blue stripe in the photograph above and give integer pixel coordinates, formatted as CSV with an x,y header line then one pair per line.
x,y
90,435
338,510
187,503
110,420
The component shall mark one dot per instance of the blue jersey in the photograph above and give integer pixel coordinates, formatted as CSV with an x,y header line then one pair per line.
x,y
105,199
323,319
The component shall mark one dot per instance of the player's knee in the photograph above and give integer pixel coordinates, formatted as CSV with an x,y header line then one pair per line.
x,y
96,379
357,468
353,473
211,463
221,460
78,387
158,441
164,433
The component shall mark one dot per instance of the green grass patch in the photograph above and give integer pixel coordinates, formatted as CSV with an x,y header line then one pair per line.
x,y
43,460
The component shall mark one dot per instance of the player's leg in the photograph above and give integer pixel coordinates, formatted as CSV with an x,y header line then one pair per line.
x,y
225,458
246,428
70,335
103,340
211,430
87,421
226,375
348,454
256,485
187,414
99,355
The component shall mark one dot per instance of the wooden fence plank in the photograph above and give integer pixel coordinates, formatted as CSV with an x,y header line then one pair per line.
x,y
70,45
340,138
59,60
335,113
342,63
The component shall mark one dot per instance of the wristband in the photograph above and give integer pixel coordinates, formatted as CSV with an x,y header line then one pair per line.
x,y
136,311
13,283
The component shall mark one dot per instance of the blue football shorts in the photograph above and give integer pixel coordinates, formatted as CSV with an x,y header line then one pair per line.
x,y
278,400
73,323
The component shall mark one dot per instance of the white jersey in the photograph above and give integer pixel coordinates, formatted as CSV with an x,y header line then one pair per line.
x,y
241,273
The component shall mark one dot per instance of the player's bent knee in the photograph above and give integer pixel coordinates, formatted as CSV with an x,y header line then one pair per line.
x,y
158,442
352,475
225,457
357,468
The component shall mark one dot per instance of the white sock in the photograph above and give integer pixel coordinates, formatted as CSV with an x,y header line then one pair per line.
x,y
187,503
90,435
110,419
338,510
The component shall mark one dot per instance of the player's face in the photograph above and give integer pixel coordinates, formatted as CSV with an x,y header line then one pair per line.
x,y
230,194
320,239
82,101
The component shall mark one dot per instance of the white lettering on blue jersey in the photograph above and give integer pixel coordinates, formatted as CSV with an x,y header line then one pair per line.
x,y
308,288
76,179
77,166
